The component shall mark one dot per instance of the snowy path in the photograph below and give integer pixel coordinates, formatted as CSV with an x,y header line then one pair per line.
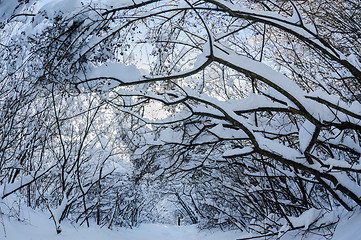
x,y
38,227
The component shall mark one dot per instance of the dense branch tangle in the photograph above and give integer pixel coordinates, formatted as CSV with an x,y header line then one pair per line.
x,y
313,116
231,102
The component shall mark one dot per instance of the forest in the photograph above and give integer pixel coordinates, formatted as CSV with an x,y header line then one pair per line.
x,y
225,114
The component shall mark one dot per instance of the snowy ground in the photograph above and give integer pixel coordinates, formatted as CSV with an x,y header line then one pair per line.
x,y
37,226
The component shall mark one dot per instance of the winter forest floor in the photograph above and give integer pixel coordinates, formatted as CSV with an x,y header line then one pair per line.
x,y
37,226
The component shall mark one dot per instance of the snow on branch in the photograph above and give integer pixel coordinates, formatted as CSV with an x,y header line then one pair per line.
x,y
296,28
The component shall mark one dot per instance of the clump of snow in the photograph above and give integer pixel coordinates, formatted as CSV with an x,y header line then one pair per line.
x,y
183,4
227,133
125,73
237,152
305,134
354,60
115,4
56,7
306,218
59,210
